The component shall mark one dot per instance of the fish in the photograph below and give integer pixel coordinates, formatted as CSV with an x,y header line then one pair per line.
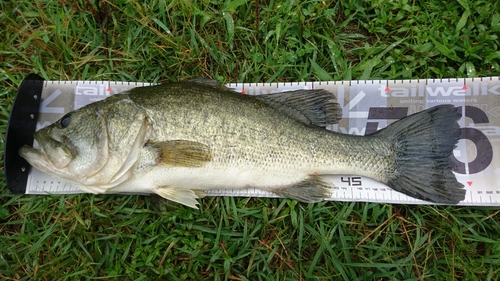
x,y
180,139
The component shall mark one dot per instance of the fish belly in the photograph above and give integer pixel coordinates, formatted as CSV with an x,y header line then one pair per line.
x,y
209,178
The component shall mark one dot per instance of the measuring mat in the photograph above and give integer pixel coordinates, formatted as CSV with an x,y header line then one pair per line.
x,y
368,106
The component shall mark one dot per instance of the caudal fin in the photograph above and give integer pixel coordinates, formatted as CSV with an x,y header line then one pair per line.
x,y
423,143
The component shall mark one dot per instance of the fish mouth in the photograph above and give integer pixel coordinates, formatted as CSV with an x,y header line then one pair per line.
x,y
52,154
35,158
39,160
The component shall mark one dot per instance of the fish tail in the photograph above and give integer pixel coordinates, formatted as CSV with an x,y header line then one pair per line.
x,y
422,144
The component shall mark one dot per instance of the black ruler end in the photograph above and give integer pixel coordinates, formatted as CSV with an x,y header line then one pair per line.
x,y
20,129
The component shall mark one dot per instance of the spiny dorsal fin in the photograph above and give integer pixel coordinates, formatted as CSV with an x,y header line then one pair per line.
x,y
182,153
206,81
316,107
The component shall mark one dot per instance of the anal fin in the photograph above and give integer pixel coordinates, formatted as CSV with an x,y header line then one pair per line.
x,y
310,190
180,195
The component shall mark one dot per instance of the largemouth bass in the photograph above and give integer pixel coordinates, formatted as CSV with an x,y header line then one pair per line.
x,y
179,139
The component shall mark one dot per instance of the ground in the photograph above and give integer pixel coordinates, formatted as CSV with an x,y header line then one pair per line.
x,y
126,238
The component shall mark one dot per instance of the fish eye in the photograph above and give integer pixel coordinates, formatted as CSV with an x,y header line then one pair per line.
x,y
65,120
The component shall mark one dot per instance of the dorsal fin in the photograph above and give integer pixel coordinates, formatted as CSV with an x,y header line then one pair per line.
x,y
206,81
315,107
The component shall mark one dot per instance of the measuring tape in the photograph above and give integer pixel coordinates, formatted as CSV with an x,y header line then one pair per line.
x,y
368,106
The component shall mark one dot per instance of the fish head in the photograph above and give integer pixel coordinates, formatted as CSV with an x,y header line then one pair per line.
x,y
95,146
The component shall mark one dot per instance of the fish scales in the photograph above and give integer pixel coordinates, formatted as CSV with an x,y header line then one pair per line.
x,y
247,134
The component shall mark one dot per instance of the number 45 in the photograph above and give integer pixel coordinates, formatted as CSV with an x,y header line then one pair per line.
x,y
351,181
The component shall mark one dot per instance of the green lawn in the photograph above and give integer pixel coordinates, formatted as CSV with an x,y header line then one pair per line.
x,y
125,238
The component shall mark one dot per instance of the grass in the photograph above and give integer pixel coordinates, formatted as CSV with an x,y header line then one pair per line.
x,y
123,237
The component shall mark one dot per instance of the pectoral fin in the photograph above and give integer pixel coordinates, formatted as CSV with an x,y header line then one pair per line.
x,y
182,153
182,196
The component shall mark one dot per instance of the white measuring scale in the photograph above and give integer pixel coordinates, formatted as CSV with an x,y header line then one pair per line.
x,y
368,106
